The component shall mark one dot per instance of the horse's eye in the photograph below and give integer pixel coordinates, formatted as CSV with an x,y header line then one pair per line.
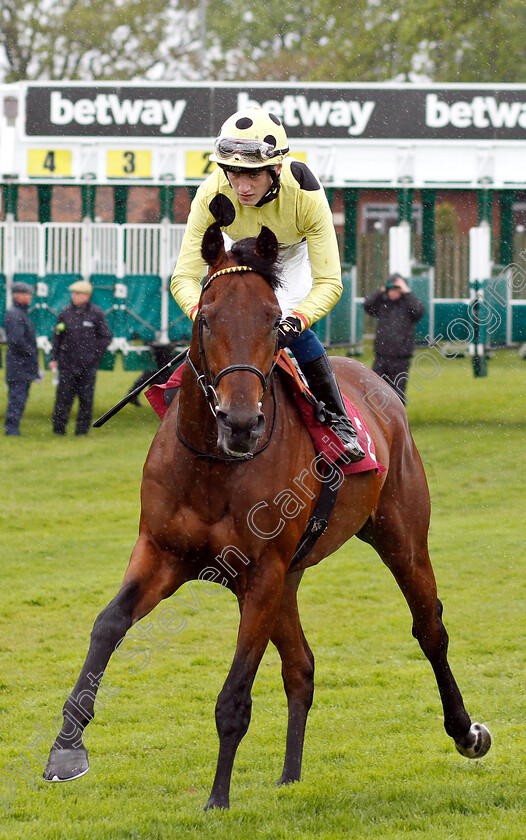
x,y
204,323
276,323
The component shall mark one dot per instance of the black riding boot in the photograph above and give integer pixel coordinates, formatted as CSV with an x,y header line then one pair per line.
x,y
322,382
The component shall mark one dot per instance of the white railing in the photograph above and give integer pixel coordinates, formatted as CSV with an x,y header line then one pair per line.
x,y
103,250
142,249
88,248
63,248
28,248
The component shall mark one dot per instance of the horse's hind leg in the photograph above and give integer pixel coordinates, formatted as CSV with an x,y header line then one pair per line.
x,y
399,534
298,675
147,580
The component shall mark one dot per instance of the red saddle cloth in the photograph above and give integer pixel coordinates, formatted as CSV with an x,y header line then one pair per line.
x,y
325,440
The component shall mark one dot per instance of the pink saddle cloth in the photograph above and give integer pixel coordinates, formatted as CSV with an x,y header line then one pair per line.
x,y
325,440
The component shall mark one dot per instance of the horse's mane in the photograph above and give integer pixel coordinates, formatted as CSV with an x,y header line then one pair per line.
x,y
245,253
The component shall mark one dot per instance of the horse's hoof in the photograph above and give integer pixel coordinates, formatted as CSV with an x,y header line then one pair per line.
x,y
286,780
66,765
478,741
217,802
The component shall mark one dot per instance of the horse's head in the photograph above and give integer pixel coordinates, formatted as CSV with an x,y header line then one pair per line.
x,y
235,333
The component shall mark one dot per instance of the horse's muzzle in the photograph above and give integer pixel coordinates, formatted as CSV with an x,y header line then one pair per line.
x,y
238,434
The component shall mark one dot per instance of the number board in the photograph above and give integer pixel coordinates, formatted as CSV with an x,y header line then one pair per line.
x,y
120,163
128,163
49,163
198,164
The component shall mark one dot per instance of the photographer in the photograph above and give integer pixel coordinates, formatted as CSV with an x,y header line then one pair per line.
x,y
397,310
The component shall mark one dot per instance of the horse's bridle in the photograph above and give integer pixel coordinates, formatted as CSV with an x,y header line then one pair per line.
x,y
206,380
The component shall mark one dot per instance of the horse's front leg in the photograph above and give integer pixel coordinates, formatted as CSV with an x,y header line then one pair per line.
x,y
297,668
259,604
148,579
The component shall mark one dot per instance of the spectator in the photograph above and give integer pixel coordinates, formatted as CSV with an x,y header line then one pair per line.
x,y
21,358
397,310
81,337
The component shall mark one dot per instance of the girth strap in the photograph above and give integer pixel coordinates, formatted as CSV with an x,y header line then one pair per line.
x,y
318,523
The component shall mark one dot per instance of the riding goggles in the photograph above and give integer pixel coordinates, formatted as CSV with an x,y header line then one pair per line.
x,y
250,151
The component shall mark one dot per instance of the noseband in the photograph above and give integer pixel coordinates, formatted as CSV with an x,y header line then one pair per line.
x,y
206,380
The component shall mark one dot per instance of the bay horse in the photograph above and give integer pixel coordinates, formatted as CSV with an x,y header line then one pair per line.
x,y
231,445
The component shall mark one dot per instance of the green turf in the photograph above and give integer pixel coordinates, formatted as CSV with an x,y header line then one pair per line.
x,y
378,763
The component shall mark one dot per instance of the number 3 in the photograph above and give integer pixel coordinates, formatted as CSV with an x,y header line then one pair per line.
x,y
129,166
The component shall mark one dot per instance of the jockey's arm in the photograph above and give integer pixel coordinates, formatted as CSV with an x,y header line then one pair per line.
x,y
190,269
325,263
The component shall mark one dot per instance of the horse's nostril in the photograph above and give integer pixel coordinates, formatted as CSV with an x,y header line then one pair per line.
x,y
259,425
222,419
231,425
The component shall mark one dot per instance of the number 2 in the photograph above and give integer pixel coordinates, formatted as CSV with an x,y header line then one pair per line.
x,y
208,167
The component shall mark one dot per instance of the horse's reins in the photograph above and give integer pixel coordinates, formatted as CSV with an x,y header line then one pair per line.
x,y
208,383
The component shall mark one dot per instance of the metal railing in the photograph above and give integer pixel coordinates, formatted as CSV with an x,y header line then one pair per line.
x,y
88,248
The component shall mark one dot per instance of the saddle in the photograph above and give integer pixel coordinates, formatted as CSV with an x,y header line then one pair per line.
x,y
325,439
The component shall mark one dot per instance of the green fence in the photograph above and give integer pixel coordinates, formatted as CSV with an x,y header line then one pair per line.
x,y
343,326
134,307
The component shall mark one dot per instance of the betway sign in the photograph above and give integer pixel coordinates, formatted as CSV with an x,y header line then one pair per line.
x,y
308,111
109,109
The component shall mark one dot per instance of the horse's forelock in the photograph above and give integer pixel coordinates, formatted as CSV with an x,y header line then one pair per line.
x,y
245,253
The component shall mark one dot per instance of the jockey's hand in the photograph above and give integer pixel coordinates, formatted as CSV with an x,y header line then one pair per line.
x,y
289,329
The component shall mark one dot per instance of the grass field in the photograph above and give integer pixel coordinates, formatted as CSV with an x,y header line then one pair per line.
x,y
378,763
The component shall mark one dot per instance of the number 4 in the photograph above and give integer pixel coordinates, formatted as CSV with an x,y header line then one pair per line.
x,y
49,162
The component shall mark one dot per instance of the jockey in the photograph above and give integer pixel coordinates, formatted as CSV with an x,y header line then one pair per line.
x,y
256,184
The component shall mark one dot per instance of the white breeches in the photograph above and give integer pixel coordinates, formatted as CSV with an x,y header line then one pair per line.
x,y
296,273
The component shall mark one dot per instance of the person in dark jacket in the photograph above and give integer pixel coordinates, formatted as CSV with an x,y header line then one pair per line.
x,y
81,337
397,310
21,357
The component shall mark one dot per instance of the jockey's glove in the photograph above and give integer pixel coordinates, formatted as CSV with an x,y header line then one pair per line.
x,y
289,329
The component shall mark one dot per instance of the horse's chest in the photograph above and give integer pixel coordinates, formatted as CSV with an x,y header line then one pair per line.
x,y
200,531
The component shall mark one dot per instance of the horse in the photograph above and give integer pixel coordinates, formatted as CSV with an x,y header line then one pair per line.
x,y
217,507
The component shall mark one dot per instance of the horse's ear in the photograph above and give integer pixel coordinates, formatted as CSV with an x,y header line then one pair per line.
x,y
267,245
213,245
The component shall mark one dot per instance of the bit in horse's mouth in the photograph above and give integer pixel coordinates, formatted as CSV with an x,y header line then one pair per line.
x,y
240,455
233,453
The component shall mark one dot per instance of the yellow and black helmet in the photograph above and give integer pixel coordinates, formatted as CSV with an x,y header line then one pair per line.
x,y
250,139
